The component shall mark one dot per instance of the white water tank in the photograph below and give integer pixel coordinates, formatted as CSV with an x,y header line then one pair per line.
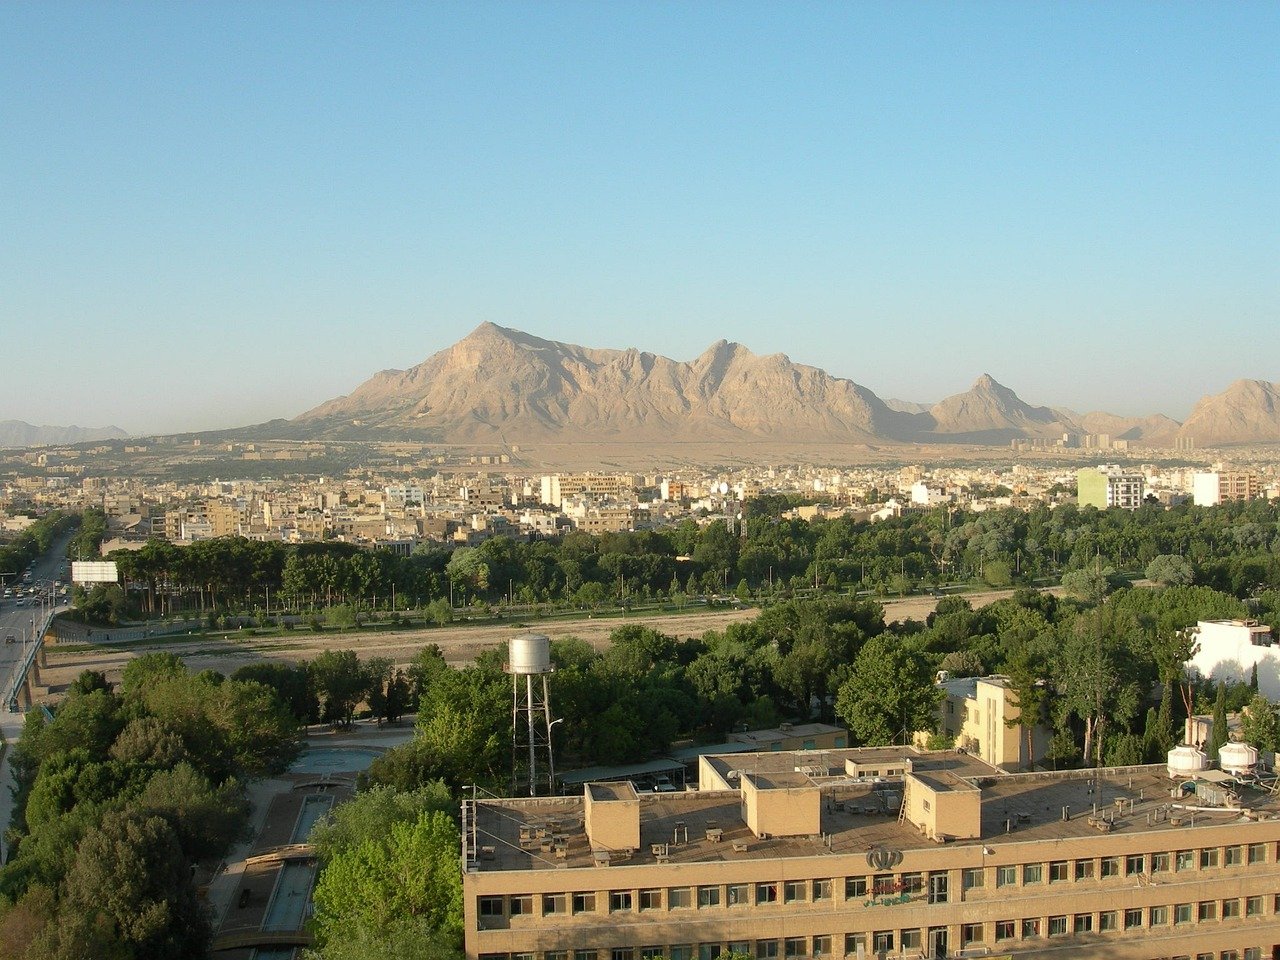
x,y
530,653
1186,761
1238,758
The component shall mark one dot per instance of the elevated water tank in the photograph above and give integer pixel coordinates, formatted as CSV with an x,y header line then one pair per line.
x,y
530,654
1186,761
1238,759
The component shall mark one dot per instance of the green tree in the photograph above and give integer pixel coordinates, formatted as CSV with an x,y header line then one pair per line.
x,y
1170,569
889,693
341,683
130,874
1220,733
1260,725
410,871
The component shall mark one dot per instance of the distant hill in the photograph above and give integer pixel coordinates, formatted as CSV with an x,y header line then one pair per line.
x,y
1248,411
16,433
499,385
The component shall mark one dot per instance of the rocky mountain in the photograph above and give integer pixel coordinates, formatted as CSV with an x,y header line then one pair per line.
x,y
501,385
989,412
1248,411
17,433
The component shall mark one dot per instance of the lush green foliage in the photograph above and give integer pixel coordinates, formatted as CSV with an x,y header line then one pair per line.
x,y
117,795
389,884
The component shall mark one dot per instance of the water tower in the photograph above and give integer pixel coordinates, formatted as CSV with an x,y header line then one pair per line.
x,y
529,663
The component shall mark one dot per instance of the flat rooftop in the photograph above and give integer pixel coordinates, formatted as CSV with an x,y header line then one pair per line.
x,y
707,826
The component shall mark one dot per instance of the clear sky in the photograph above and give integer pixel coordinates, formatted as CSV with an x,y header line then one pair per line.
x,y
219,213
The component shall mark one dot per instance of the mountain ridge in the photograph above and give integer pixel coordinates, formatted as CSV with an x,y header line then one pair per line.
x,y
499,384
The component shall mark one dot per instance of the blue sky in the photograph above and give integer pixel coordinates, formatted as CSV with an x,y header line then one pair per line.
x,y
219,213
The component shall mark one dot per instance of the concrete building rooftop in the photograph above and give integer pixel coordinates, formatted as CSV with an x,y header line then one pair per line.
x,y
855,815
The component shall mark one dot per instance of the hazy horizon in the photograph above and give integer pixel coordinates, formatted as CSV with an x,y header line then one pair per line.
x,y
222,214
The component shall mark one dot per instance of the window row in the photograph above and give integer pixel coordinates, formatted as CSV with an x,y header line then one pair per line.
x,y
791,948
901,885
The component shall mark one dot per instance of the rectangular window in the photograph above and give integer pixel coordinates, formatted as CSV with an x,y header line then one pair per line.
x,y
910,938
853,942
522,904
556,955
1084,869
882,885
620,953
1208,910
709,951
585,955
971,878
882,940
1252,953
708,896
490,906
1253,907
1160,863
1229,955
1032,873
679,898
1058,871
1134,864
1031,928
1230,909
1084,923
1182,913
794,947
1208,857
1233,856
821,890
736,895
1109,867
1257,853
855,888
740,946
970,933
1158,916
681,951
619,901
766,893
913,883
1005,930
584,903
766,949
555,903
822,946
1057,926
1185,860
652,953
1108,921
793,891
1133,918
1006,876
650,899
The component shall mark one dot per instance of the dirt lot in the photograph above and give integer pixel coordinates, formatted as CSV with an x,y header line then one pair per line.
x,y
461,644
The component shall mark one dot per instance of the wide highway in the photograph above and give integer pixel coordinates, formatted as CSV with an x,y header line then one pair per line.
x,y
19,616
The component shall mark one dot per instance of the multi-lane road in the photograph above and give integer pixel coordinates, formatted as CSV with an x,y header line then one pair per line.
x,y
22,617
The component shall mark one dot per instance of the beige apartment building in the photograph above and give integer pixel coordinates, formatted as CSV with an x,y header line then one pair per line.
x,y
982,715
889,852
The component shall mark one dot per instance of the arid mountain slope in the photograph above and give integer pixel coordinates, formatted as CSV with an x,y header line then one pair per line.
x,y
1248,411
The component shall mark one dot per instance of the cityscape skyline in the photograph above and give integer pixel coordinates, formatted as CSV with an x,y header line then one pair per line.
x,y
224,215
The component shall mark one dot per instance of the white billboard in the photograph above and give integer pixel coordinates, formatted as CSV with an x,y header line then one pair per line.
x,y
104,571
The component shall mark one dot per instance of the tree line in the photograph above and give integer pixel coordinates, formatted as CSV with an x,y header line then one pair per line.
x,y
1234,547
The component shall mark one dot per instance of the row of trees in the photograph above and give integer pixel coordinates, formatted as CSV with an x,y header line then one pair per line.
x,y
20,552
119,797
1233,547
1107,677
